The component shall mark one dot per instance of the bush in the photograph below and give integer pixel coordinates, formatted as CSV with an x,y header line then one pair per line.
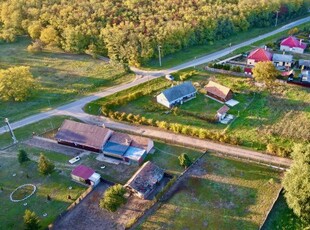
x,y
184,160
31,220
113,198
45,166
166,188
22,156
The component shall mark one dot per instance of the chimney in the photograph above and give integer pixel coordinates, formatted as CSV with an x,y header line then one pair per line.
x,y
265,47
300,41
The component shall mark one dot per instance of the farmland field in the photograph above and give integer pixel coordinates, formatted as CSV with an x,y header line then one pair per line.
x,y
63,77
219,193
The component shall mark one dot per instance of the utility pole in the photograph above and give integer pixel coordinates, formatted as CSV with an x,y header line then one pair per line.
x,y
159,54
6,120
277,18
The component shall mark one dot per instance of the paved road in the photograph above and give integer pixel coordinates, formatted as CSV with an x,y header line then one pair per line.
x,y
147,76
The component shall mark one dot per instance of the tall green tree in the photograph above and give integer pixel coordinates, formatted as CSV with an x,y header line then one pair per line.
x,y
265,72
184,160
31,220
113,198
45,166
22,156
296,183
16,83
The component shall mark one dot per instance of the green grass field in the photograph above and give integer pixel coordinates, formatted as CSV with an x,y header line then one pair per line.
x,y
280,116
220,194
63,77
56,186
25,132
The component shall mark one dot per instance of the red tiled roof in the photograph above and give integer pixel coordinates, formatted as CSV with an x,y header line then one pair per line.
x,y
217,89
260,54
223,109
83,172
293,42
248,70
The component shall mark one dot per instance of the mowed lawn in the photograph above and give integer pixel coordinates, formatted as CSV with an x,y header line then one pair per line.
x,y
220,193
62,77
280,116
56,185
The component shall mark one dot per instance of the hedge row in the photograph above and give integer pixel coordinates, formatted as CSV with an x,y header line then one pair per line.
x,y
227,67
174,127
278,150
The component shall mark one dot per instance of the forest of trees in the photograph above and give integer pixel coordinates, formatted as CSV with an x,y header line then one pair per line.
x,y
129,31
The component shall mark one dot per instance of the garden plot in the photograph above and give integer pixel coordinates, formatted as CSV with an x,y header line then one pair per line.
x,y
219,193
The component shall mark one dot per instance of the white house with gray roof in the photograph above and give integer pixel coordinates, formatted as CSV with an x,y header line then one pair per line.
x,y
177,94
282,60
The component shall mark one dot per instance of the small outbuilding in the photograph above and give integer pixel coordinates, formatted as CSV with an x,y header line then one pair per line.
x,y
293,44
86,175
304,64
218,92
144,181
177,94
222,112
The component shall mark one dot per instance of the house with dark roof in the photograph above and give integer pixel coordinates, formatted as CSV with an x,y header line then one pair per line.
x,y
177,94
283,60
293,44
86,175
128,148
218,92
84,136
259,55
144,181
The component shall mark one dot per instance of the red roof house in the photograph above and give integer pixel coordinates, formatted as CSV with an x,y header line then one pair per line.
x,y
259,55
293,44
86,175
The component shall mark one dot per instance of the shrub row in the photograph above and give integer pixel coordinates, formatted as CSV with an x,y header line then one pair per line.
x,y
185,76
166,188
226,67
174,127
278,150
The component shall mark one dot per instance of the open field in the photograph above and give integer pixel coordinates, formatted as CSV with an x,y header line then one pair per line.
x,y
219,193
38,128
63,77
280,116
56,186
191,53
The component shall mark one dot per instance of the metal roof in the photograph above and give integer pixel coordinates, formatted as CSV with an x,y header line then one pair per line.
x,y
282,58
83,134
179,91
82,171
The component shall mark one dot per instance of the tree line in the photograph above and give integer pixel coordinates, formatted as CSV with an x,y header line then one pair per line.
x,y
130,31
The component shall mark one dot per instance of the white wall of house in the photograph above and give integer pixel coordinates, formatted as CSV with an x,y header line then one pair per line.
x,y
150,145
251,62
161,99
294,49
286,64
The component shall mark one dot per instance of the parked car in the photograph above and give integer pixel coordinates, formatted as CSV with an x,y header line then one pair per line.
x,y
75,159
169,77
